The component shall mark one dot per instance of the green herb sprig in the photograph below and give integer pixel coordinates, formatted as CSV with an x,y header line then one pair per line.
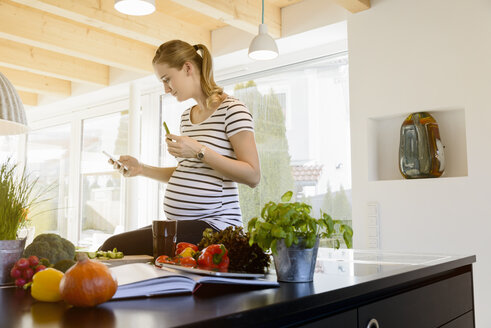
x,y
292,222
18,195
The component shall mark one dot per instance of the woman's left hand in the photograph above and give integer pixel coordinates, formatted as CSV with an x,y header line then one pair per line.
x,y
182,146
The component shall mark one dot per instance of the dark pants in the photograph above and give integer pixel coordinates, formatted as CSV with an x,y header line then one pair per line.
x,y
140,241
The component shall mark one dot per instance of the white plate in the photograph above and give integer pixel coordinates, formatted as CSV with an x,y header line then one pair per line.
x,y
210,272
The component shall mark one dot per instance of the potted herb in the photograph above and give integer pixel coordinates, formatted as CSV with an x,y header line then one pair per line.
x,y
17,197
292,235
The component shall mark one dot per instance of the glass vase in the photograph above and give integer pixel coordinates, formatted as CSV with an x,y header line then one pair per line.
x,y
421,150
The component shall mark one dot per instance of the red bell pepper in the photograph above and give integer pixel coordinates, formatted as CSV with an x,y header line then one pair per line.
x,y
182,246
165,259
214,257
186,262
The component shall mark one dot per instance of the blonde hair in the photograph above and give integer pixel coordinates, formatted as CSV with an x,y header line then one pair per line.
x,y
176,52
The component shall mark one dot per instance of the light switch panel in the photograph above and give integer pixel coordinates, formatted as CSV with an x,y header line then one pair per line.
x,y
372,221
373,225
372,209
372,242
372,232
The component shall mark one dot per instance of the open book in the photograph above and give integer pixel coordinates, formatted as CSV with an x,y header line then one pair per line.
x,y
144,280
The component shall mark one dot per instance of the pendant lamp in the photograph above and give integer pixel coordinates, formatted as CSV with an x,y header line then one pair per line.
x,y
12,114
135,7
263,46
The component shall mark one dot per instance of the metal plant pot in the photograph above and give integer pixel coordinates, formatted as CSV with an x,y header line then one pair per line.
x,y
10,252
295,263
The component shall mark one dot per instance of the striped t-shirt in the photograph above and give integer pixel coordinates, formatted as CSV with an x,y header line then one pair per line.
x,y
196,191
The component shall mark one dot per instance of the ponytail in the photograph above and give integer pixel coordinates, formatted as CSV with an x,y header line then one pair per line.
x,y
208,85
175,53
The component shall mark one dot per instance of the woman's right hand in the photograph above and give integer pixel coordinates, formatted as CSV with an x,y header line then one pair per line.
x,y
134,167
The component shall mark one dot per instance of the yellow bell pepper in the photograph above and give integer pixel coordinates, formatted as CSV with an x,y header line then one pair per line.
x,y
187,252
46,285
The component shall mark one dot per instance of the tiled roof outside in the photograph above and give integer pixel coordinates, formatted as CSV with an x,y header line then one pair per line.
x,y
306,173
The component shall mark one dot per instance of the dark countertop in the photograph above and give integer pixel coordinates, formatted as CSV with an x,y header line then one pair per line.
x,y
343,278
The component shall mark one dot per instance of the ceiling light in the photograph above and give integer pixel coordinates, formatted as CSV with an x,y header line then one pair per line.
x,y
263,46
135,7
12,114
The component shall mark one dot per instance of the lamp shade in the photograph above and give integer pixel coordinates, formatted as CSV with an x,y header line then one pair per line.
x,y
263,46
12,114
135,7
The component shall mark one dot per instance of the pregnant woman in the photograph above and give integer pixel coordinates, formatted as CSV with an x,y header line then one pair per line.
x,y
215,150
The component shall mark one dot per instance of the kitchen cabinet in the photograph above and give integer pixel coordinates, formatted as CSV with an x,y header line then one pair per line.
x,y
345,319
430,306
445,303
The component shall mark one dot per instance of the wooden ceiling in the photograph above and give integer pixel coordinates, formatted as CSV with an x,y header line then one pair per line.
x,y
46,45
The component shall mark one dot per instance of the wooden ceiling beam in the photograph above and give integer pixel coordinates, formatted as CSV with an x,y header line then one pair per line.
x,y
244,15
28,98
23,57
284,3
153,29
31,82
354,6
39,29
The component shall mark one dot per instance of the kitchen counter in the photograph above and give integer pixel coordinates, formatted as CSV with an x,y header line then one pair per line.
x,y
350,288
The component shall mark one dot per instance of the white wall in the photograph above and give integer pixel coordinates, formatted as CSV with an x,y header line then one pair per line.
x,y
408,56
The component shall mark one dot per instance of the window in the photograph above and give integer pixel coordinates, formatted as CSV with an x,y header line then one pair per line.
x,y
301,118
102,188
48,159
9,147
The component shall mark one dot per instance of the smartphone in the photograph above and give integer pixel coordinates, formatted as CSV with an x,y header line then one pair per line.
x,y
114,159
166,129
